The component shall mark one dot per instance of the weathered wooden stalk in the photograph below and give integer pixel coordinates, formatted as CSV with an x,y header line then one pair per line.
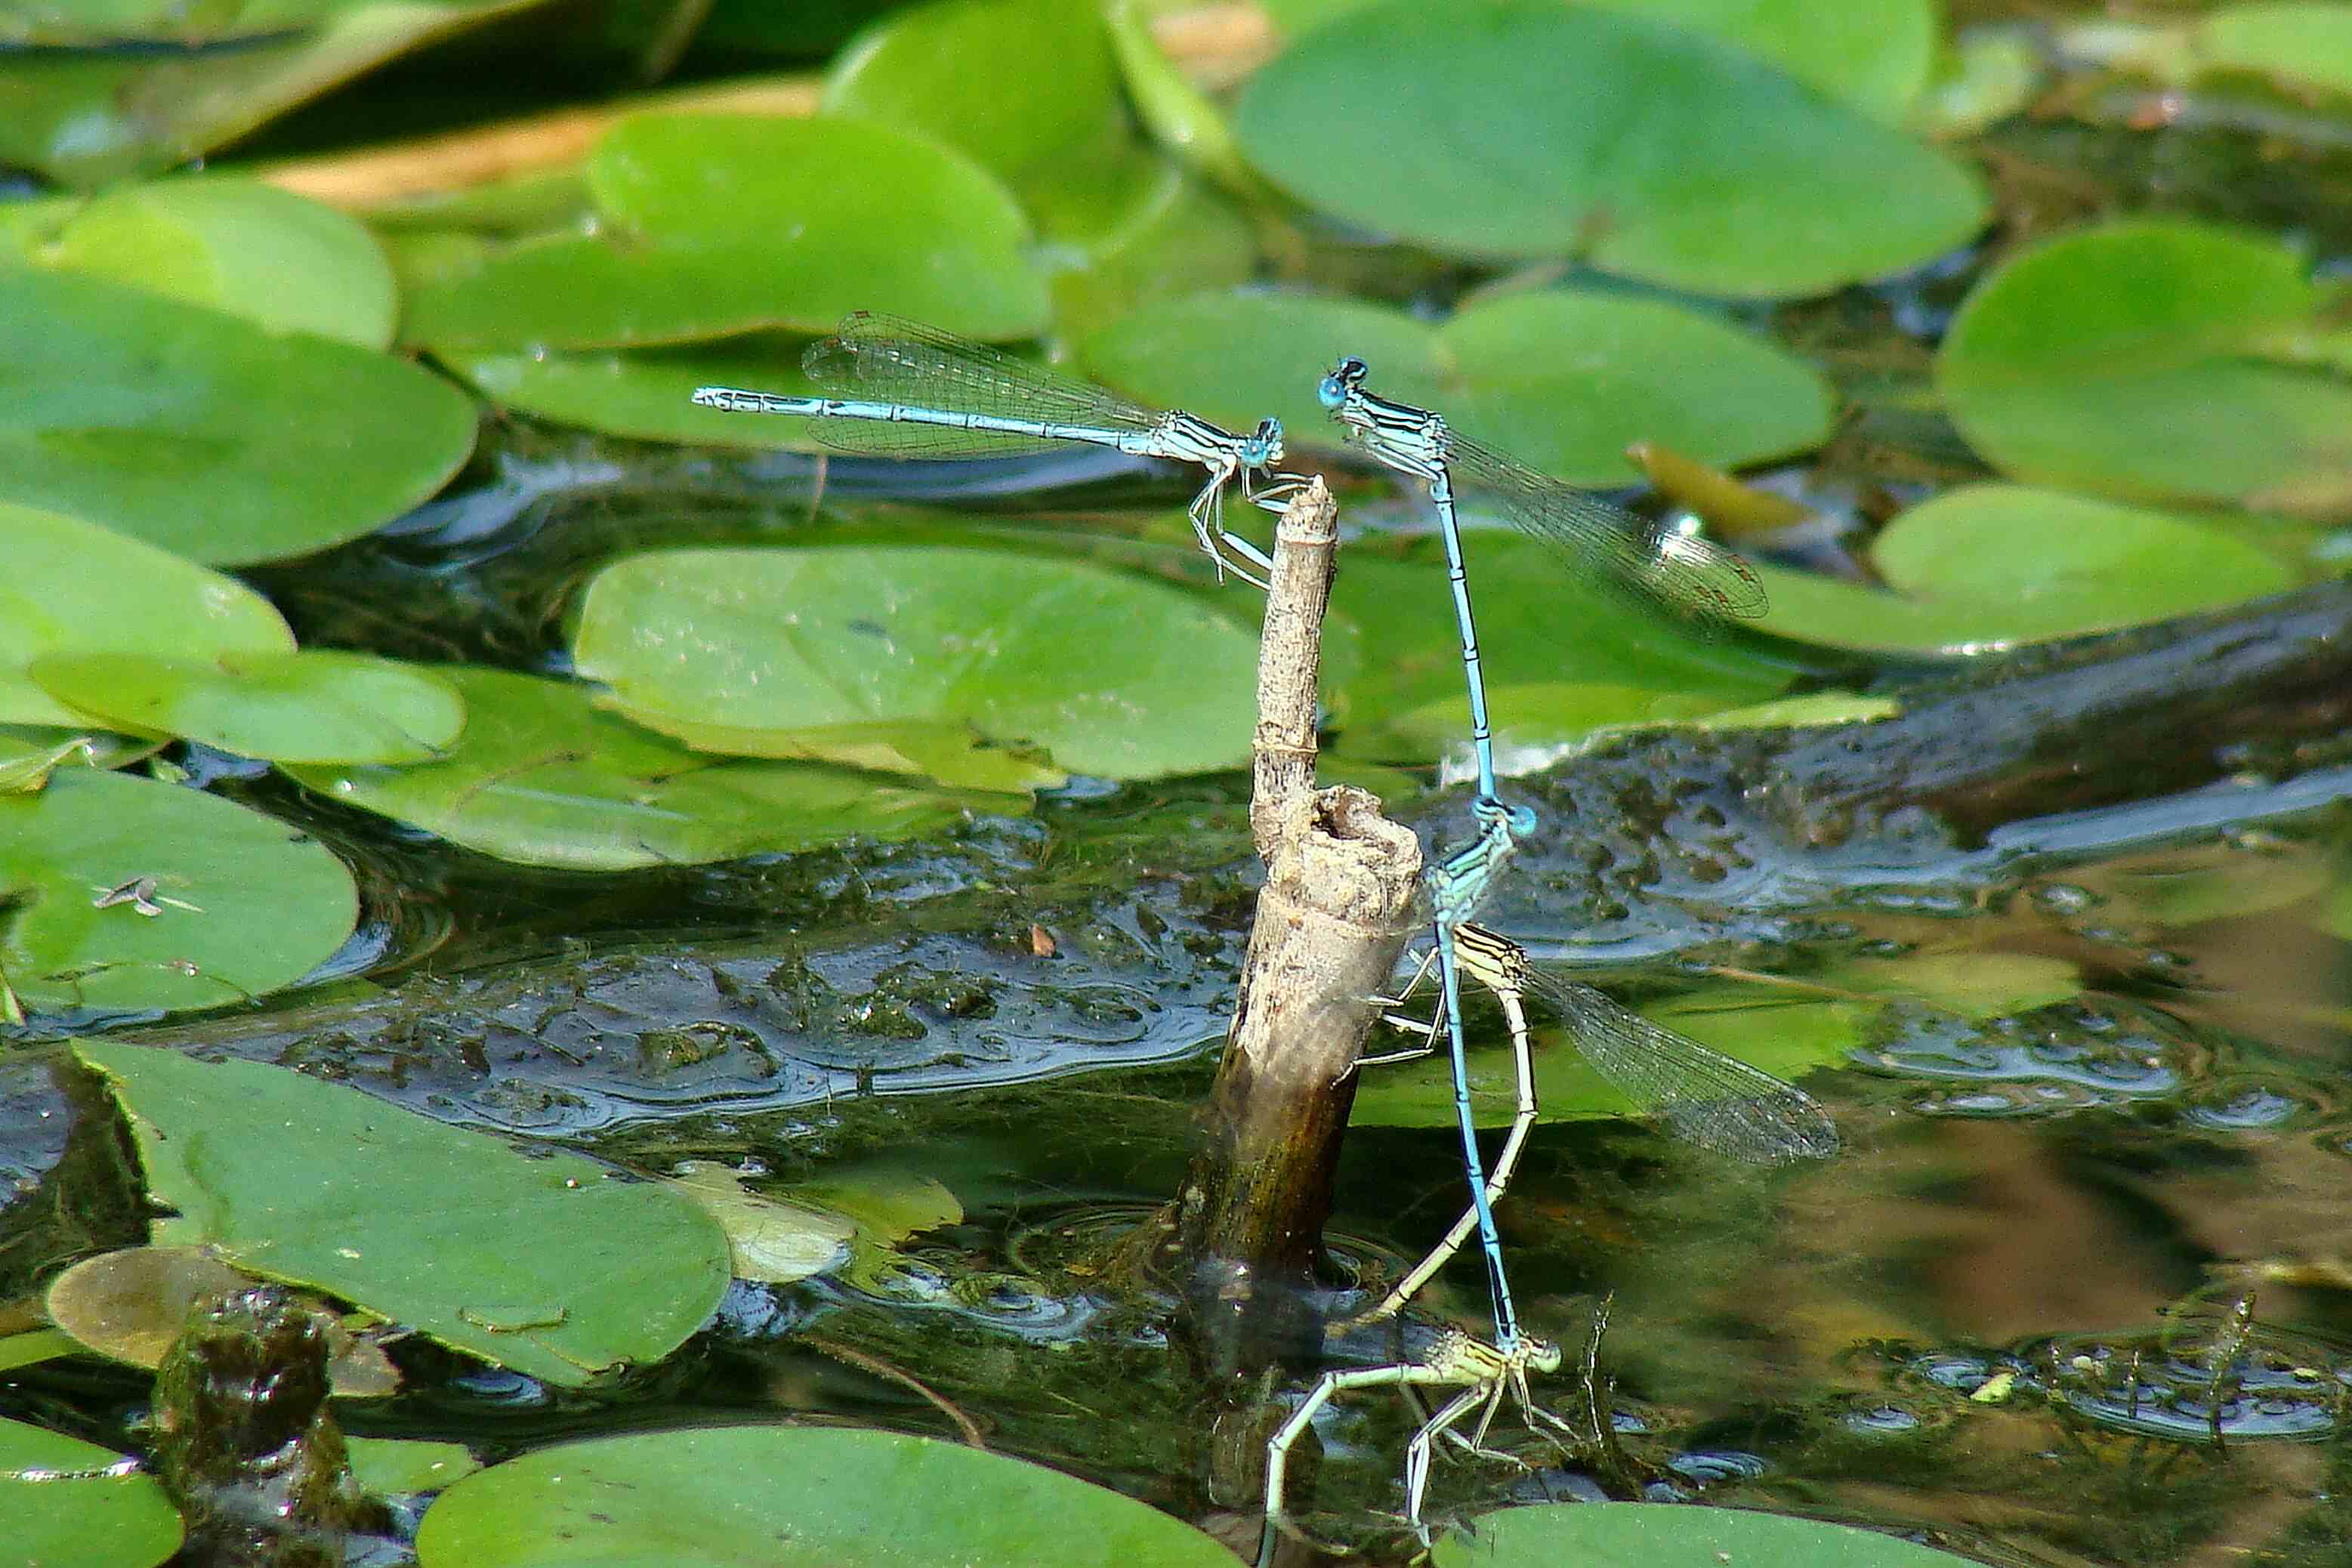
x,y
1244,1236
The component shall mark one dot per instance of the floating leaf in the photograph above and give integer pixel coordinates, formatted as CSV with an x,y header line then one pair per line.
x,y
1813,711
1671,1535
277,259
1974,983
1787,1038
1562,381
766,647
208,435
2088,563
308,707
939,71
63,1500
1178,115
120,892
1987,76
886,1202
1121,226
277,1172
1522,128
71,586
648,392
2189,885
792,1497
2153,359
2297,44
1544,714
730,223
29,753
131,1303
142,93
768,1239
30,1347
542,777
1538,624
1873,57
402,1466
1988,565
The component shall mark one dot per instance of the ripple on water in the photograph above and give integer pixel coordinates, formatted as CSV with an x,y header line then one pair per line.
x,y
2056,1058
2184,1382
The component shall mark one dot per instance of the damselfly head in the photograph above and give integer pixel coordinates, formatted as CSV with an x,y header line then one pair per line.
x,y
1348,375
1543,1355
1518,821
1263,450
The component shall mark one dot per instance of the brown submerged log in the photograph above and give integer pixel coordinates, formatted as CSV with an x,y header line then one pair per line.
x,y
2263,688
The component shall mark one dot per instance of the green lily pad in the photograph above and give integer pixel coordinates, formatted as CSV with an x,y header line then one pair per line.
x,y
2093,563
1985,77
208,435
308,707
1539,720
63,1500
648,392
402,1467
1535,722
275,1171
849,1225
29,753
1875,58
277,259
2153,359
885,1201
130,1304
755,649
2335,916
1787,1037
768,1239
116,109
1671,1535
535,201
792,1497
543,778
2297,44
1975,984
30,1347
2190,885
939,71
1178,115
71,586
1539,714
120,892
1562,381
1183,239
1991,565
1538,627
1522,128
719,223
1818,710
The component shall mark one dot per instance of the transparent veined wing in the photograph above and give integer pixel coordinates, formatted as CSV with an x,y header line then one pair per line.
x,y
1714,1101
1657,567
887,359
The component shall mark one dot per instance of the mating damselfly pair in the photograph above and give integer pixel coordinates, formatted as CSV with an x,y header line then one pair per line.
x,y
897,388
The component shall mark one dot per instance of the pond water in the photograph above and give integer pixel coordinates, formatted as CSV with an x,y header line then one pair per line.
x,y
2073,1290
2077,1289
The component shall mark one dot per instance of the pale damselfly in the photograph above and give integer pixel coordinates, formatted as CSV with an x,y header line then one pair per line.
x,y
1658,566
906,390
1704,1097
